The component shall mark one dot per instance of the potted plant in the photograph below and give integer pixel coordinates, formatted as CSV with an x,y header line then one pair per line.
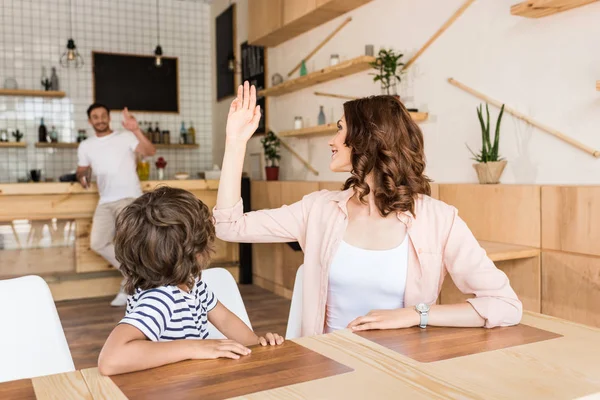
x,y
271,145
489,165
387,63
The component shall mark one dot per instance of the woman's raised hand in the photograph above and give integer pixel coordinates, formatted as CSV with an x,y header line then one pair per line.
x,y
244,115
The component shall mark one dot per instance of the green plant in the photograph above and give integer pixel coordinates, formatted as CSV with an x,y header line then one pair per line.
x,y
271,145
17,135
489,151
387,62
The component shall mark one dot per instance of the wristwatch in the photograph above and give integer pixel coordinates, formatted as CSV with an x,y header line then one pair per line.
x,y
423,310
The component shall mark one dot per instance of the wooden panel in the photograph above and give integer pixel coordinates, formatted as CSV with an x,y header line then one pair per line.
x,y
333,186
524,277
292,192
294,9
47,206
265,195
101,387
326,74
39,261
571,219
87,259
436,344
17,390
70,385
32,93
267,261
266,368
264,18
435,190
503,251
272,287
498,213
571,287
543,8
85,287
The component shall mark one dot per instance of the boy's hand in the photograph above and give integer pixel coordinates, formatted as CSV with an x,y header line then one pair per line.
x,y
214,348
270,339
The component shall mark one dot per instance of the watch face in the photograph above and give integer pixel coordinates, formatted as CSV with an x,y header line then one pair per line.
x,y
422,307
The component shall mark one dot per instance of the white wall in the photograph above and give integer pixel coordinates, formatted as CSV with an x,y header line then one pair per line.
x,y
546,68
34,33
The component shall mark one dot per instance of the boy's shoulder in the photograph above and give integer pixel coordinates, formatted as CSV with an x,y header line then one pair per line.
x,y
167,296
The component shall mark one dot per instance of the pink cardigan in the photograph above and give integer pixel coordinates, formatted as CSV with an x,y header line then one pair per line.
x,y
440,242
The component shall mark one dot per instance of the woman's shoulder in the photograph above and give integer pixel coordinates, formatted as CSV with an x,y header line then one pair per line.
x,y
429,206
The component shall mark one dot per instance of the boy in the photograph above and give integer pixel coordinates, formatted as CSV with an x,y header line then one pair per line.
x,y
163,241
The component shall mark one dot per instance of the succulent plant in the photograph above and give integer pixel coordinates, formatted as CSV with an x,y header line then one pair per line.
x,y
489,151
17,135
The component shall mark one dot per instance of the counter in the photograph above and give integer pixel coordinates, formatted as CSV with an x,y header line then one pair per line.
x,y
45,230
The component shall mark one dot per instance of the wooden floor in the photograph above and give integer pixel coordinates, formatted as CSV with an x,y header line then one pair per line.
x,y
87,323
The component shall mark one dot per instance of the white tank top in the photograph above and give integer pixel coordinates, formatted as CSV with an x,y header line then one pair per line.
x,y
363,280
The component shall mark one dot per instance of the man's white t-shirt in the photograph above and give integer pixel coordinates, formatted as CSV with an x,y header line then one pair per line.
x,y
113,161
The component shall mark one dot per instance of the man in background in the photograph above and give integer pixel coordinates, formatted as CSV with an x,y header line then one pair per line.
x,y
111,155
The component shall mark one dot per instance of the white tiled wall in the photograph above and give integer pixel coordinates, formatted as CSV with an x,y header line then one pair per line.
x,y
34,33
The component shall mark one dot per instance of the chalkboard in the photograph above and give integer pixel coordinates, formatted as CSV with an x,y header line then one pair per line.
x,y
225,42
133,81
253,71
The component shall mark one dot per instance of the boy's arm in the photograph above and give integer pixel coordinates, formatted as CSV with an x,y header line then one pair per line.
x,y
234,328
127,349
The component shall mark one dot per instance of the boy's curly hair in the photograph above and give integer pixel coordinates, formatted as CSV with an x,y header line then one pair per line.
x,y
164,237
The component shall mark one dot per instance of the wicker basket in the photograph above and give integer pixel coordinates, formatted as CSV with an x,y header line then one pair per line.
x,y
490,172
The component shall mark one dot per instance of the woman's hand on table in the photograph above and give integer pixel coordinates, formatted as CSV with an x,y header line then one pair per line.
x,y
270,339
386,319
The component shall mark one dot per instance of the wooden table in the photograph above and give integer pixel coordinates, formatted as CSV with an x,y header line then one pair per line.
x,y
543,358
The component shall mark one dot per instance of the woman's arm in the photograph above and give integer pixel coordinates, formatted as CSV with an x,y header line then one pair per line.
x,y
127,349
234,328
285,224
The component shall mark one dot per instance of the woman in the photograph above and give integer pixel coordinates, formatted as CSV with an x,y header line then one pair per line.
x,y
376,253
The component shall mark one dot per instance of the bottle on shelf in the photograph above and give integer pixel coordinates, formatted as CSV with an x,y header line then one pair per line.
x,y
150,132
157,138
53,135
191,134
166,137
42,132
183,134
321,118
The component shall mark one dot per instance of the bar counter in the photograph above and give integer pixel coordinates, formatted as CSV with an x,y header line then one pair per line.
x,y
45,230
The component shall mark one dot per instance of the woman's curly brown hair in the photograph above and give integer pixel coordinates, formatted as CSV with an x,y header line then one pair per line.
x,y
386,142
164,237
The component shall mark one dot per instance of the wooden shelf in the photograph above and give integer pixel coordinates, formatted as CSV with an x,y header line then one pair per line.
x,y
176,146
329,129
41,145
32,93
327,74
543,8
75,145
9,145
503,252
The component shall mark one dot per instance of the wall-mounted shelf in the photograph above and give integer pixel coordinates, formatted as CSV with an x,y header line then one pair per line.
x,y
543,8
327,74
75,145
176,146
42,145
330,129
32,93
9,145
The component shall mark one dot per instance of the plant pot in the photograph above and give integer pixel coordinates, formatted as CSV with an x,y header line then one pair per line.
x,y
490,172
272,173
161,174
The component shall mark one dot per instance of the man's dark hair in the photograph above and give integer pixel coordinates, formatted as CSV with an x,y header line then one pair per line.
x,y
94,106
164,237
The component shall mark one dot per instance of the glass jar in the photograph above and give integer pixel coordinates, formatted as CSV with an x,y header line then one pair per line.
x,y
143,169
334,59
298,124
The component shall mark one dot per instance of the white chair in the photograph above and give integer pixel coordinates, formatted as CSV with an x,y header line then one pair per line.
x,y
225,288
32,341
294,326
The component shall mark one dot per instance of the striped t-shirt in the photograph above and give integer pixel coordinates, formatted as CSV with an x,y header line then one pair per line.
x,y
168,313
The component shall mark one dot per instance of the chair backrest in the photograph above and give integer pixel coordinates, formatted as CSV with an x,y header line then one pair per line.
x,y
224,287
32,341
294,326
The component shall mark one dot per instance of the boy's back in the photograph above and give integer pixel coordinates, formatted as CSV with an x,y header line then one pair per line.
x,y
169,313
